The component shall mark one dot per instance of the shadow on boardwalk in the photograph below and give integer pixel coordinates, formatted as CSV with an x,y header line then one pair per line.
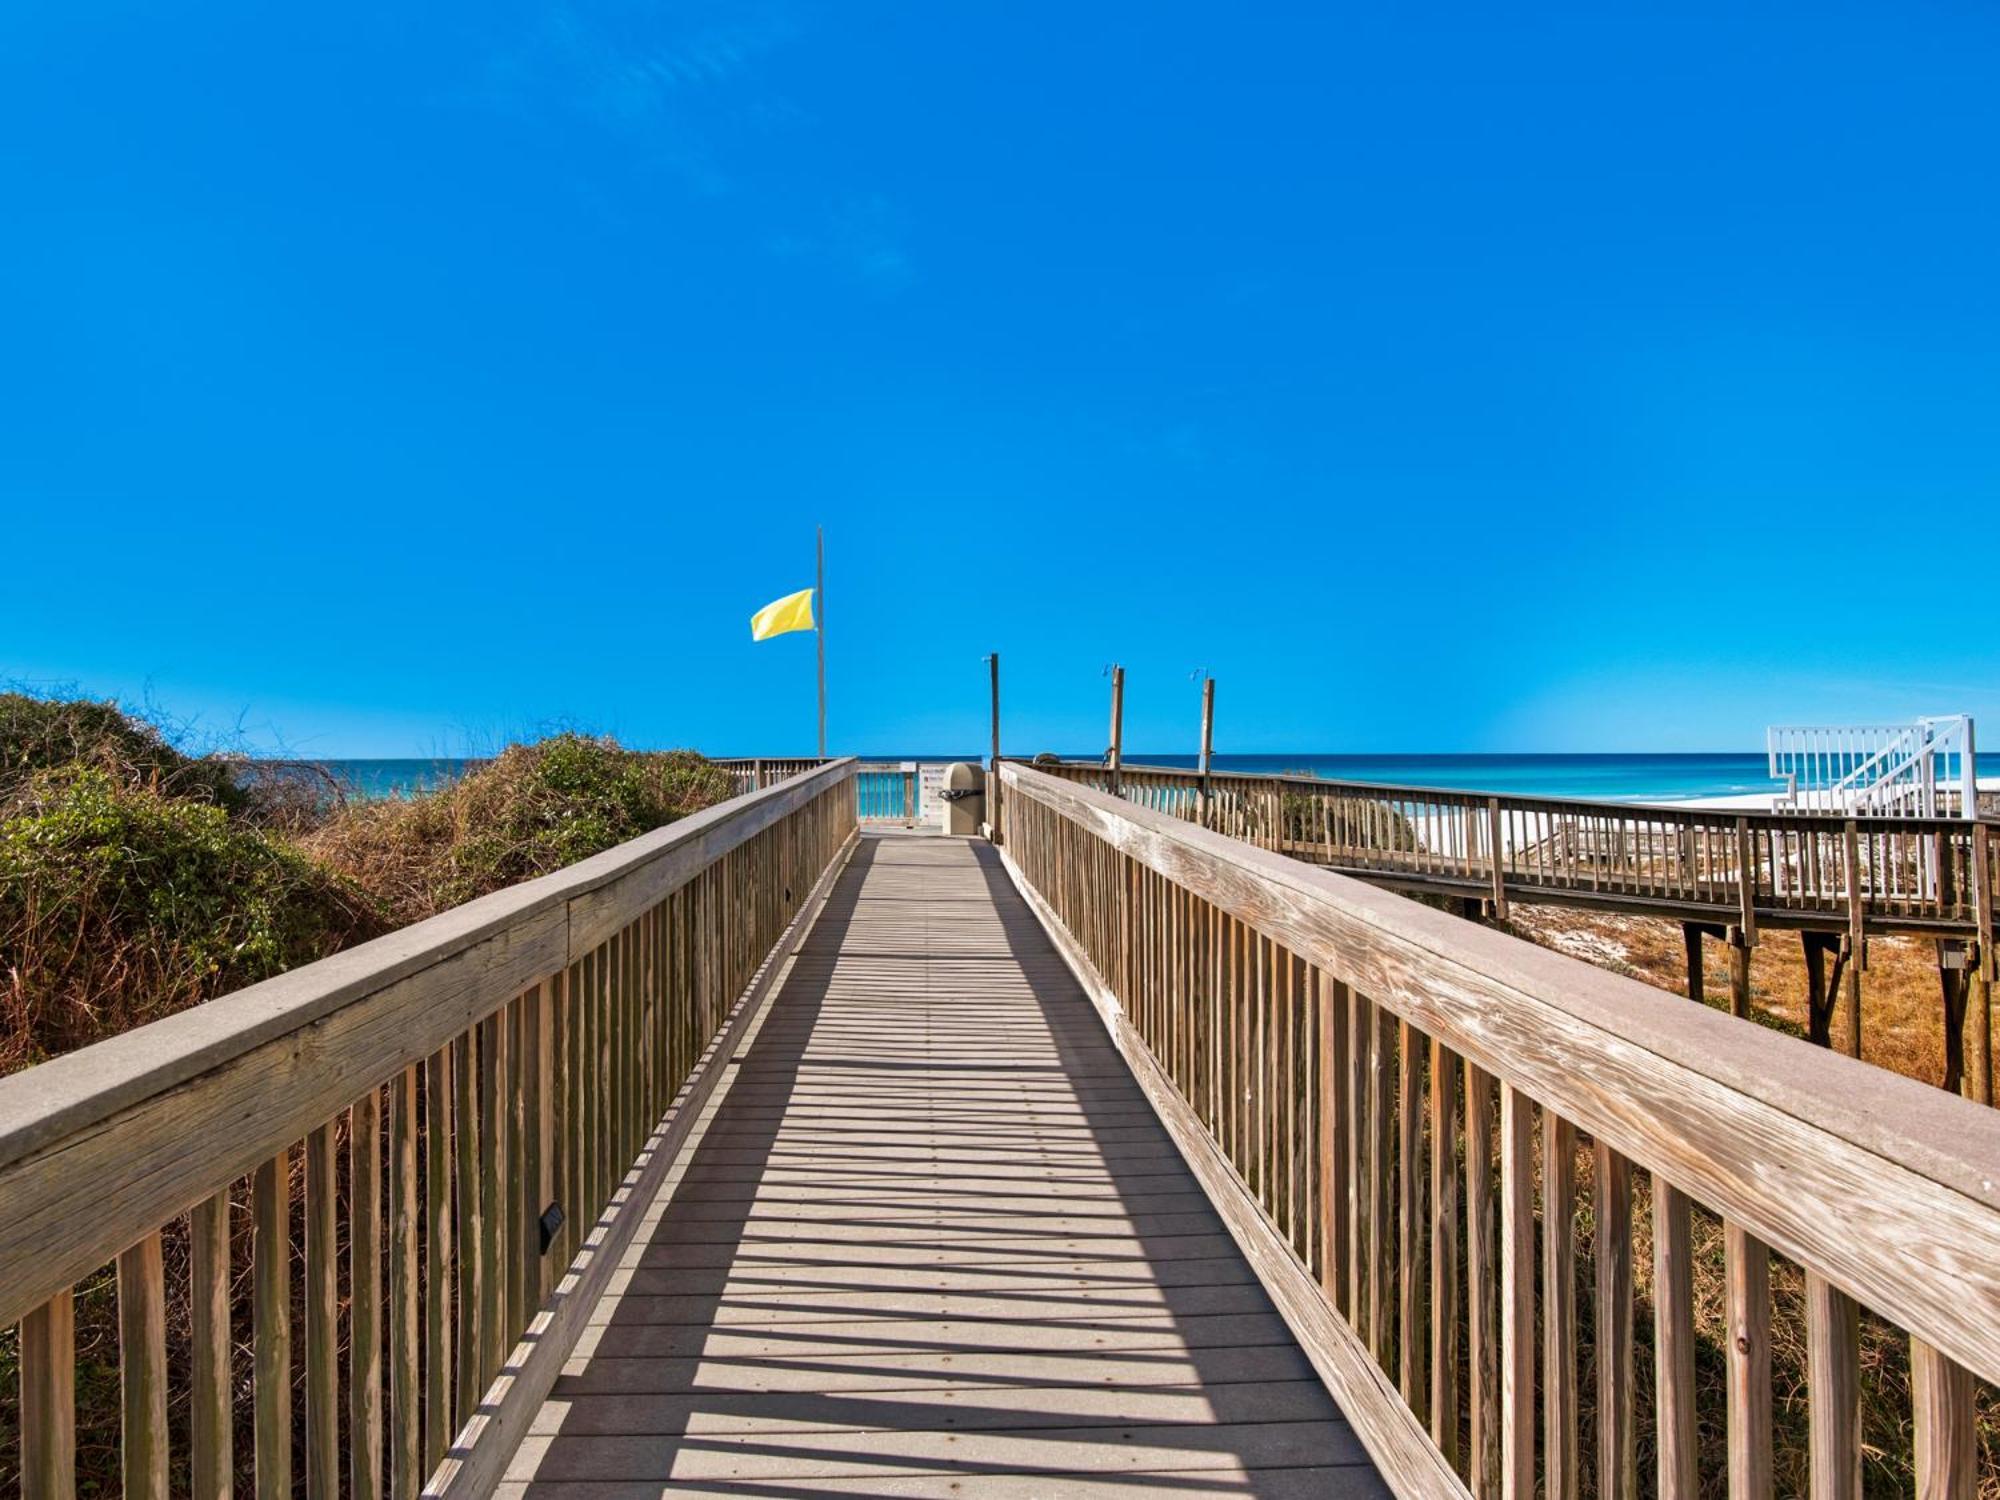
x,y
934,1241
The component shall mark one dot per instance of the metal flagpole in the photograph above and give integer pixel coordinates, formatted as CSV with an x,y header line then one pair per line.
x,y
819,632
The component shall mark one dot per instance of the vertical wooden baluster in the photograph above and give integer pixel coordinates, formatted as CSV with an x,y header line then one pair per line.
x,y
514,1222
1833,1384
1947,1424
491,1188
468,1233
1333,1120
1673,1341
142,1369
1517,1294
1559,1397
271,1195
1380,1034
563,1146
1360,1023
1617,1427
210,1463
438,1240
1412,1340
364,1281
405,1411
534,1145
48,1400
1444,1250
1482,1284
322,1328
1747,1351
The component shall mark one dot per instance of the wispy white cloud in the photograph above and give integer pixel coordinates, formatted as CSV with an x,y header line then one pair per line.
x,y
862,237
684,87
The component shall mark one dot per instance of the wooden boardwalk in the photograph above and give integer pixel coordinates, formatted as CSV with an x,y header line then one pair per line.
x,y
934,1241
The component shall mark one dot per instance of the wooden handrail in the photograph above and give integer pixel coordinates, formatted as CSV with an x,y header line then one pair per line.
x,y
542,1030
1296,1027
1896,874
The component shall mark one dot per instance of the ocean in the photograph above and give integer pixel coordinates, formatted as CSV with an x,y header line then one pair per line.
x,y
1613,778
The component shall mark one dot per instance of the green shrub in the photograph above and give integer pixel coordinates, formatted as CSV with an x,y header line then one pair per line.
x,y
45,734
120,904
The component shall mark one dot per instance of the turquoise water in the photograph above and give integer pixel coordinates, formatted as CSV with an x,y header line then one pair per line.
x,y
1611,777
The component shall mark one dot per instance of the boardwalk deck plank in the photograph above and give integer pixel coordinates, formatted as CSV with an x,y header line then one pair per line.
x,y
933,1241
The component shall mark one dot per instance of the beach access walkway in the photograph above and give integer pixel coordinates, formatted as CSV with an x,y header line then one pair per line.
x,y
933,1240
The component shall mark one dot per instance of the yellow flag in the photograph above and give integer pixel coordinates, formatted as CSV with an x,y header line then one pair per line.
x,y
793,612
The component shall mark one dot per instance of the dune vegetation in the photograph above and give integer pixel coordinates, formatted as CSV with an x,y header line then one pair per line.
x,y
137,879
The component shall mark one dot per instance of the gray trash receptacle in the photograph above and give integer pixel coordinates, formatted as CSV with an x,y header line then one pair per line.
x,y
964,797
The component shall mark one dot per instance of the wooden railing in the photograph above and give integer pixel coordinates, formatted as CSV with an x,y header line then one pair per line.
x,y
457,1122
1912,875
754,773
885,791
1385,1101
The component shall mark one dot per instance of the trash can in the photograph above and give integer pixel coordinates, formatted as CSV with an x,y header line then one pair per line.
x,y
964,798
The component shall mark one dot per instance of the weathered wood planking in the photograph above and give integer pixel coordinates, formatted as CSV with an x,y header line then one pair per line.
x,y
934,1238
135,1130
1762,1128
1683,863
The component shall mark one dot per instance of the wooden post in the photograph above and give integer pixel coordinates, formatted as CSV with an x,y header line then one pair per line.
x,y
1117,724
1857,936
1493,851
1746,879
1739,971
1691,940
1207,742
1952,962
819,629
1980,1032
757,774
993,781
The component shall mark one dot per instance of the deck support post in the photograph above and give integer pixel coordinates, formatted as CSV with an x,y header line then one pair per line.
x,y
1821,990
1691,940
1955,991
1740,944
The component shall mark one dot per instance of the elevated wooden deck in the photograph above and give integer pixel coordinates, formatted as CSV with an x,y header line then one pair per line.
x,y
933,1240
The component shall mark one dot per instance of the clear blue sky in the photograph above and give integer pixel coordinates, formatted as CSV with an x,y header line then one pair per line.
x,y
384,378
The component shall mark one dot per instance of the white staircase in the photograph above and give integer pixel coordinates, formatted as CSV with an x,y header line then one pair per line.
x,y
1923,769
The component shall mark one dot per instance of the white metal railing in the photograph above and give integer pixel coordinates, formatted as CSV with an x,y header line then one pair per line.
x,y
1911,769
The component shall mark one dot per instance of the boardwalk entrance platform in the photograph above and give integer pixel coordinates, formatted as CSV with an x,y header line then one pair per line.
x,y
933,1241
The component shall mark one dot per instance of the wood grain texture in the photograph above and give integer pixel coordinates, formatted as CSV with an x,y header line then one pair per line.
x,y
1395,1440
1747,1351
1517,1294
142,1369
1947,1425
1482,1298
1563,1478
482,1451
102,1143
322,1321
406,1325
210,1470
364,1292
48,1400
1673,1344
271,1329
1617,1423
1762,1128
1833,1386
1444,1408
